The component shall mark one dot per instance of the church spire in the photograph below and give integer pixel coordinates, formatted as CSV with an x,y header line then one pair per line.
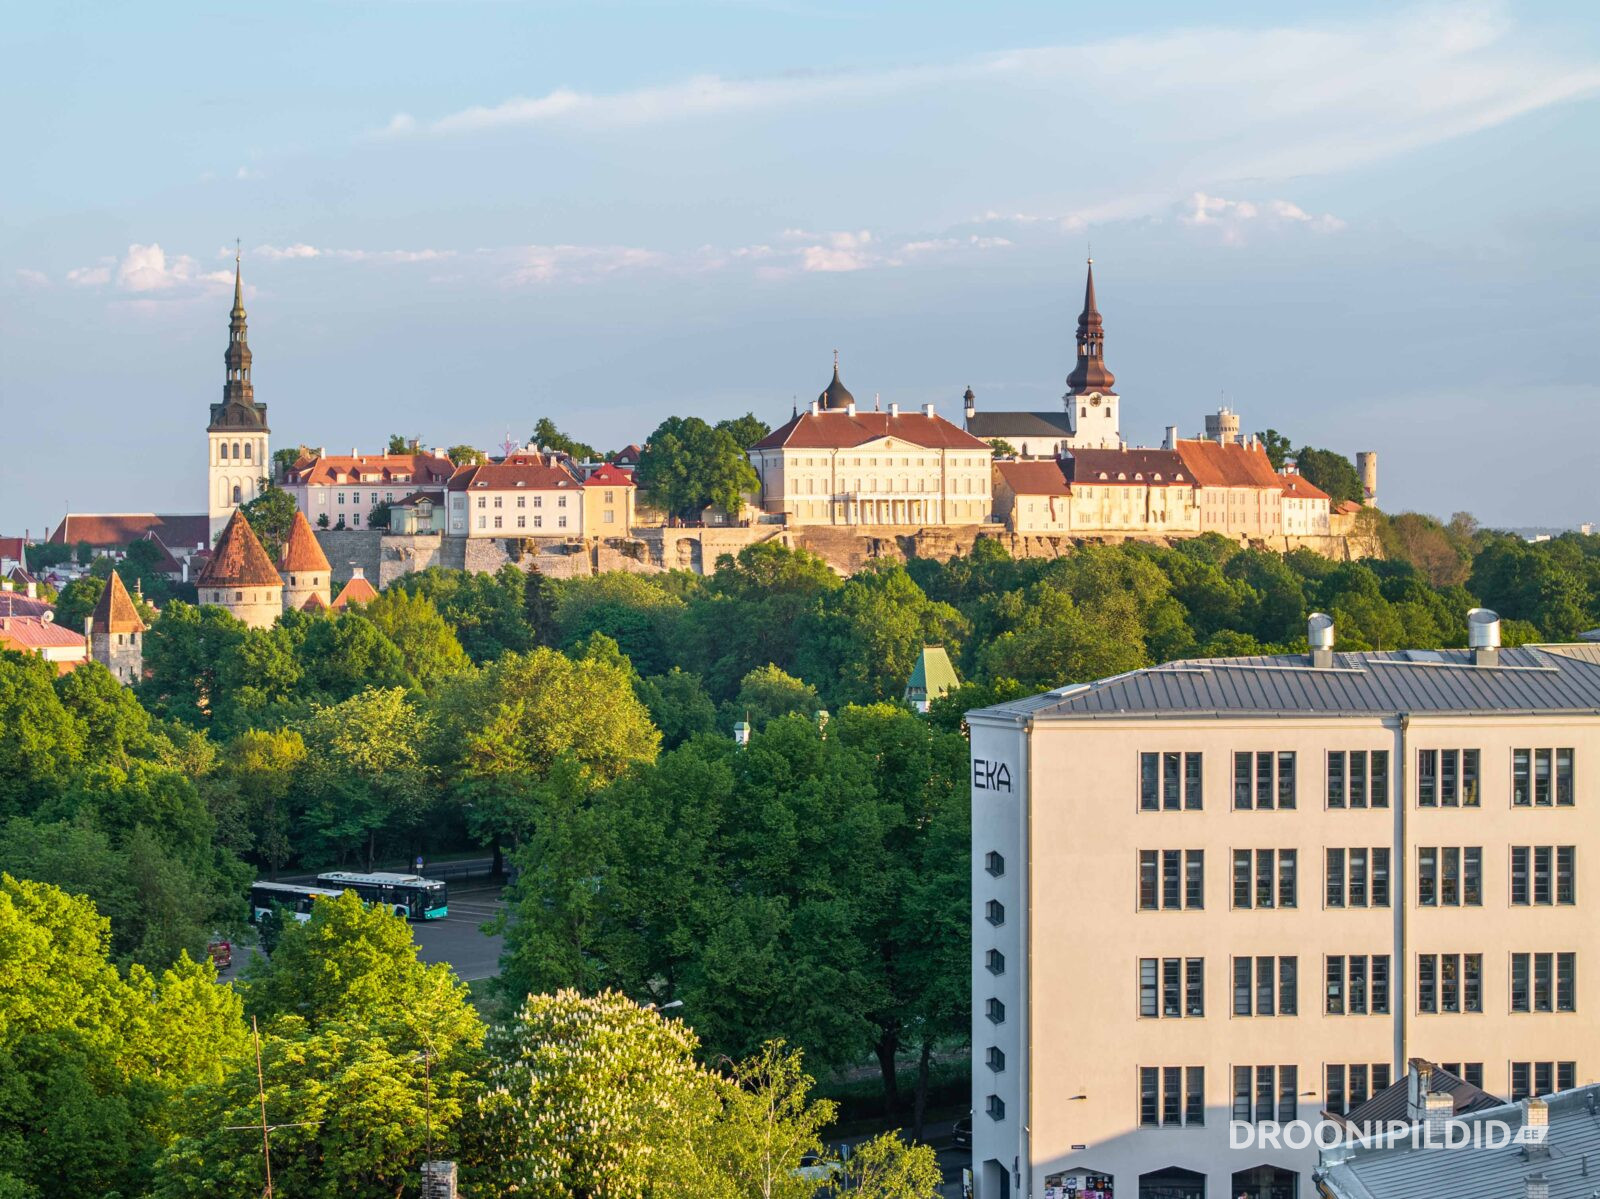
x,y
238,389
1090,373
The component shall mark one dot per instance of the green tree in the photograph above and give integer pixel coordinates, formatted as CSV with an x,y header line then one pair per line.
x,y
465,455
44,743
1331,471
636,612
255,788
364,773
770,1125
1003,448
766,693
344,654
399,444
285,458
745,430
271,516
888,1168
182,653
427,644
1279,448
678,705
77,600
546,434
487,612
689,466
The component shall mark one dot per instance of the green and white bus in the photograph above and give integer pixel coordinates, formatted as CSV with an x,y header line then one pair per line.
x,y
409,896
294,899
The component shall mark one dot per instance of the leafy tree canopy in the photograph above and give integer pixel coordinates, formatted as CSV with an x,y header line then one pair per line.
x,y
688,466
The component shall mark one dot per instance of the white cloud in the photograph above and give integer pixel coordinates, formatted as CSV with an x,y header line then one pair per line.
x,y
90,276
543,264
32,277
300,250
149,271
1230,218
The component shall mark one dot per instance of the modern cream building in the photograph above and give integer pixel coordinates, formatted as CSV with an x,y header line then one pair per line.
x,y
1253,888
837,465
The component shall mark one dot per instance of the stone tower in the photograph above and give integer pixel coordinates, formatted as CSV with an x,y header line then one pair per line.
x,y
1367,468
237,454
1222,427
304,567
1090,399
113,631
240,577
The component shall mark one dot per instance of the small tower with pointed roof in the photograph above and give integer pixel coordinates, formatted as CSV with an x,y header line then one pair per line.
x,y
114,631
238,457
356,591
304,567
240,577
1090,399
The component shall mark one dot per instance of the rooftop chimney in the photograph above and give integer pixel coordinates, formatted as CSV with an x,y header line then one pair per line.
x,y
438,1180
1483,636
1419,1082
1439,1109
927,410
1319,635
1171,442
1538,1187
357,572
894,408
33,589
1535,1134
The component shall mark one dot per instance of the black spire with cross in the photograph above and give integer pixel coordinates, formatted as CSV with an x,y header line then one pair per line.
x,y
1090,373
238,409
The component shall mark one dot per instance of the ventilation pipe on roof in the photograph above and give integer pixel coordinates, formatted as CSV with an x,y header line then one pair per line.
x,y
894,409
1483,636
1171,442
1319,635
927,410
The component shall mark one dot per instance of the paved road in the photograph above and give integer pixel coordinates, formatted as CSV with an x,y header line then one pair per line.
x,y
456,938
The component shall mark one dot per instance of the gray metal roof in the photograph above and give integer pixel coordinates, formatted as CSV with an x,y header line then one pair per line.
x,y
1393,1102
1531,679
1019,424
1400,1171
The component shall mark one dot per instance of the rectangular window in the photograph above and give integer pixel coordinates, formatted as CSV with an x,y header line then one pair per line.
x,y
1148,888
1356,889
1428,778
1335,878
1264,878
1242,874
1336,790
1288,882
1521,779
1541,1078
1541,874
1333,987
1195,878
561,521
1171,988
1427,983
1566,874
1427,876
1380,878
1521,857
522,522
1450,876
497,521
1358,778
1242,792
1380,984
1566,982
1194,987
1194,1106
1170,781
538,522
1334,1090
1266,986
1286,779
1378,767
1172,1096
1564,796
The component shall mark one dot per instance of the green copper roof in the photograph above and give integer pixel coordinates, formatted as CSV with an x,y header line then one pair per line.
x,y
932,676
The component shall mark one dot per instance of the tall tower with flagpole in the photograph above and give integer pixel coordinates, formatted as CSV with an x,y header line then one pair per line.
x,y
237,453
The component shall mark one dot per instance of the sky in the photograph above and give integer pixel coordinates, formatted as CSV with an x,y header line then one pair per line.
x,y
1368,226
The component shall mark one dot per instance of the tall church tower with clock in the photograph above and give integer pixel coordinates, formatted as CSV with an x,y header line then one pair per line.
x,y
238,457
1091,402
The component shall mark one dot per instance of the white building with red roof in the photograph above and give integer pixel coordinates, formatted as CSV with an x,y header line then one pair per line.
x,y
42,637
525,494
1094,492
341,490
608,501
836,465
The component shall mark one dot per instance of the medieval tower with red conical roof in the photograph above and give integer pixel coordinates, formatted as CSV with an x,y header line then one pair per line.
x,y
240,577
304,567
113,632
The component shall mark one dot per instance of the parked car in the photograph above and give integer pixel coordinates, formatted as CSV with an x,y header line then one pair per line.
x,y
221,953
961,1135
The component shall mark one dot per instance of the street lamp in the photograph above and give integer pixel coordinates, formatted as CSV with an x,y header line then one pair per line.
x,y
663,1007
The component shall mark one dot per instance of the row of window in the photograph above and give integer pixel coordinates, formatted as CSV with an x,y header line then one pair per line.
x,y
222,452
1358,877
522,522
1355,984
1174,1096
1265,780
522,500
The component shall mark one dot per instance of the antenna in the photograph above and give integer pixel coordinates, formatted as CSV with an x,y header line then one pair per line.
x,y
261,1098
508,445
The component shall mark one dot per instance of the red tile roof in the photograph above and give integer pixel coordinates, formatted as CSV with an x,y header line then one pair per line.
x,y
332,470
11,549
1301,488
609,475
239,560
115,612
29,633
165,563
1043,477
528,472
314,603
301,551
1233,465
15,603
356,591
113,530
837,429
1157,467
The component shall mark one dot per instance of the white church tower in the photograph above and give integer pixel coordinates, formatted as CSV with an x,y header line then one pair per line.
x,y
1091,403
237,454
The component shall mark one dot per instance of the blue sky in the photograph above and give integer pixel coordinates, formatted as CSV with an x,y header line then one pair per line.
x,y
1368,226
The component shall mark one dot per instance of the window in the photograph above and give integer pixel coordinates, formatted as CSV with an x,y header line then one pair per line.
x,y
1467,1071
1274,1089
561,501
1357,878
1265,986
481,502
1264,878
522,522
996,1011
1544,982
1541,1078
1171,879
1447,778
996,1107
995,961
1172,1096
1356,985
1450,876
561,521
994,863
1543,874
497,521
1531,773
538,522
538,501
1170,988
994,912
995,1059
1450,982
1263,780
1347,1087
1166,779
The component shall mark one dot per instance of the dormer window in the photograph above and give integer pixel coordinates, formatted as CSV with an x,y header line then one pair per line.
x,y
1155,478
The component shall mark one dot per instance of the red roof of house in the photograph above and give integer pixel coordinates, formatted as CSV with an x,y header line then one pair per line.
x,y
1156,467
314,603
528,472
113,530
1043,477
1233,465
11,548
609,475
239,560
14,603
837,429
301,551
332,470
356,591
29,633
115,612
1301,488
165,564
628,455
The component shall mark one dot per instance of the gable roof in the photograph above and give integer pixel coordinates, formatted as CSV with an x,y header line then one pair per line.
x,y
1006,425
356,591
115,613
609,475
314,603
11,549
1041,477
838,429
1298,487
113,530
301,550
1394,1101
1156,467
527,472
1212,464
15,603
165,563
239,560
28,633
334,470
